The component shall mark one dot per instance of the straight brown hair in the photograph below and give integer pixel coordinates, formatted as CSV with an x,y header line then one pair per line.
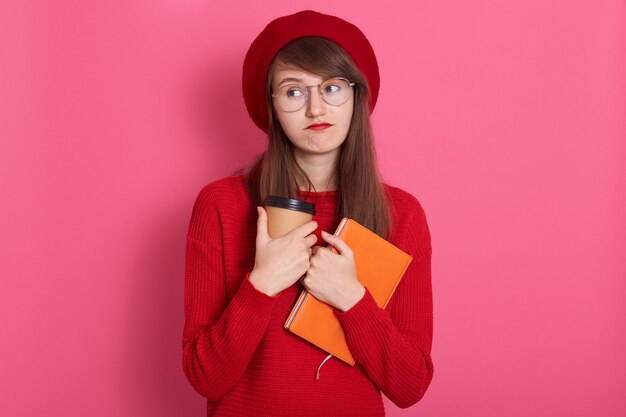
x,y
276,172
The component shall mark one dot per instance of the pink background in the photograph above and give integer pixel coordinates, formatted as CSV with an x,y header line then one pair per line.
x,y
505,119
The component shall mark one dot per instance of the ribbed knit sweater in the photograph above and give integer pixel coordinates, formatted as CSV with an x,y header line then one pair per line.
x,y
236,352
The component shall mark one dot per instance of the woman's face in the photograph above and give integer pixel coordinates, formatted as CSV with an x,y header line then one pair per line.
x,y
309,142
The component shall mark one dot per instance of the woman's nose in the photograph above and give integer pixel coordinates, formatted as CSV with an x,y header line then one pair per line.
x,y
315,105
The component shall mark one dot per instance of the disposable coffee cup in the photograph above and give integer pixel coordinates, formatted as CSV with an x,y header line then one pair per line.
x,y
285,214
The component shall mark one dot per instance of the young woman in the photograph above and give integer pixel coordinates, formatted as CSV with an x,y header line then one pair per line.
x,y
310,81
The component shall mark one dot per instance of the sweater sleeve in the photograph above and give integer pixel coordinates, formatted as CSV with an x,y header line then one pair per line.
x,y
393,345
219,335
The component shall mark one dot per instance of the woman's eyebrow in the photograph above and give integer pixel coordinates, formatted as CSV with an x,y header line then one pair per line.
x,y
289,79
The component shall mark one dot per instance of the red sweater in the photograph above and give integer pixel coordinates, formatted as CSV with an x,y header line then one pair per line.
x,y
236,352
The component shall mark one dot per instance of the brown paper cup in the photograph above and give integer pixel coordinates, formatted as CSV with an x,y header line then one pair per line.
x,y
285,214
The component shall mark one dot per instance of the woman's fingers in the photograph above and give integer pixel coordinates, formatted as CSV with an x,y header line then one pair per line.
x,y
304,229
341,246
310,240
262,234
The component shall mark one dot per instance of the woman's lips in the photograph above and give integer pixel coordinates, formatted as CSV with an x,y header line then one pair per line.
x,y
319,126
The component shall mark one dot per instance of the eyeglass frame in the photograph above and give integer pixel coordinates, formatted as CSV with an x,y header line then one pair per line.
x,y
306,93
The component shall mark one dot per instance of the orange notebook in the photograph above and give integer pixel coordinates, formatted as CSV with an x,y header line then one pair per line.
x,y
380,265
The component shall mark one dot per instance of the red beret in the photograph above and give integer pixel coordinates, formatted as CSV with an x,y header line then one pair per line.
x,y
279,32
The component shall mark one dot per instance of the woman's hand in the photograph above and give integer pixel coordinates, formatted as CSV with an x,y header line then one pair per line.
x,y
282,261
331,278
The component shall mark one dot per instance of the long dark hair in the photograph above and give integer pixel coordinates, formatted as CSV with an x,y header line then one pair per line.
x,y
276,172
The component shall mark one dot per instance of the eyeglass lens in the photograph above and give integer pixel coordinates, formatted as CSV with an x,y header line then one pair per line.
x,y
292,97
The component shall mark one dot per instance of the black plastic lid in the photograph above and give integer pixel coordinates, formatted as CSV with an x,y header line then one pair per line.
x,y
290,204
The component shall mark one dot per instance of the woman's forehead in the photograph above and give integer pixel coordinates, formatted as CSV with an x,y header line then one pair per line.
x,y
295,74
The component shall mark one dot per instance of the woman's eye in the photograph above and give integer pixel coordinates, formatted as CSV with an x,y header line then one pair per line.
x,y
333,88
294,93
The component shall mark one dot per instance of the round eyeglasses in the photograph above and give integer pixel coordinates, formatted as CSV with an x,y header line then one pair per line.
x,y
293,96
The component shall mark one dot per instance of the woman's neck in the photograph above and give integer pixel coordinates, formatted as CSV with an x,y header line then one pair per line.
x,y
320,171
